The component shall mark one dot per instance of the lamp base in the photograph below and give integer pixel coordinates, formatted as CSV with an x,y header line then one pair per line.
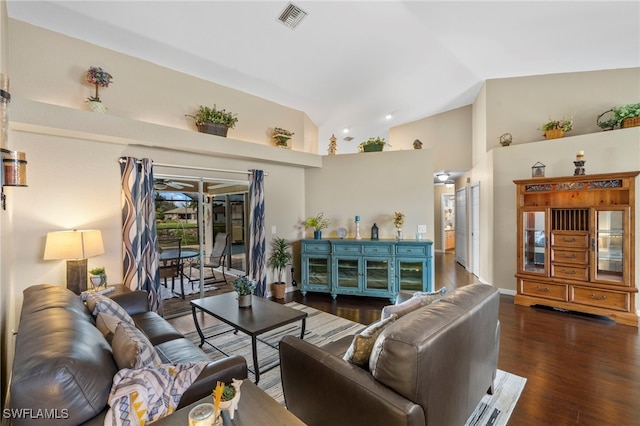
x,y
77,275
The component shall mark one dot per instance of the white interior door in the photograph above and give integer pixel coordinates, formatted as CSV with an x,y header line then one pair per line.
x,y
461,226
475,229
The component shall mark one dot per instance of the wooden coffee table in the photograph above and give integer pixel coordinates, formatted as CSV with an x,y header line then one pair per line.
x,y
256,407
263,315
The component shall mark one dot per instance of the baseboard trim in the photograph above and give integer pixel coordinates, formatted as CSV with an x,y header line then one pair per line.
x,y
507,291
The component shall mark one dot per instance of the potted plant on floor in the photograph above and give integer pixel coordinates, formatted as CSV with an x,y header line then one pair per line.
x,y
279,259
214,121
372,144
244,286
317,223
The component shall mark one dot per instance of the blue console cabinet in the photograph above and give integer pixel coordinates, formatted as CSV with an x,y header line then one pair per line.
x,y
366,268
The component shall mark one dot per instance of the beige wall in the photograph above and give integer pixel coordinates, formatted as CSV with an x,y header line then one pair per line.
x,y
447,134
521,105
142,91
373,185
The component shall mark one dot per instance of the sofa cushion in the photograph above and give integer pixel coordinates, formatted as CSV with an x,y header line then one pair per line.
x,y
132,349
157,329
99,303
402,308
180,351
362,344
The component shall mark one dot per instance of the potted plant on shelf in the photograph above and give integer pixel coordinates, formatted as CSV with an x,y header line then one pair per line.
x,y
554,129
244,286
98,277
627,115
281,137
317,223
372,144
608,124
214,121
279,259
100,78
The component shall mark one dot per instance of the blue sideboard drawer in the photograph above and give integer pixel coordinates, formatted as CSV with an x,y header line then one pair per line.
x,y
347,249
410,250
315,247
379,250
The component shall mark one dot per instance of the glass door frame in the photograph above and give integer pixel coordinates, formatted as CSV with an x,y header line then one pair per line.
x,y
625,247
521,240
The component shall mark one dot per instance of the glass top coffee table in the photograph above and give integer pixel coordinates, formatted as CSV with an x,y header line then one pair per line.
x,y
263,315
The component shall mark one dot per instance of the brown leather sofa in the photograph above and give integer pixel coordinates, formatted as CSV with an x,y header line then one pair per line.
x,y
64,367
429,367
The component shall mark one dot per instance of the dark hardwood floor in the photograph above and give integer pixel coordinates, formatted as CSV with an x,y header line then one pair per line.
x,y
580,370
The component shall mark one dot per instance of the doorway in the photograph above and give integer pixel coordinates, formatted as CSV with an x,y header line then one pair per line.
x,y
461,226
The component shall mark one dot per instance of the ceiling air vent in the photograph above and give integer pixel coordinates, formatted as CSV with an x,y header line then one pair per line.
x,y
292,15
348,138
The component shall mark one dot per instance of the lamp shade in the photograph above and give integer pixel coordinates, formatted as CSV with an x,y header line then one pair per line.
x,y
73,244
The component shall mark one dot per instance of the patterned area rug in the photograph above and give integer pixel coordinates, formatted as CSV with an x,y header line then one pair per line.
x,y
321,328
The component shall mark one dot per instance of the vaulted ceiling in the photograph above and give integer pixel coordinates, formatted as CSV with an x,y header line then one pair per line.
x,y
349,64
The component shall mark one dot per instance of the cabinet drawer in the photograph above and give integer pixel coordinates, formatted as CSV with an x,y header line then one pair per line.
x,y
580,257
546,290
315,247
411,250
350,249
572,272
381,250
600,298
570,239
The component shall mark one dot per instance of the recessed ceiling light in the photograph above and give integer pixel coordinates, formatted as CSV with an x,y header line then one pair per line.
x,y
345,130
388,116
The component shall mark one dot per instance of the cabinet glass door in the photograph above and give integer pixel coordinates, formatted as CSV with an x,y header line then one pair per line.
x,y
411,275
377,274
534,242
611,228
347,273
318,272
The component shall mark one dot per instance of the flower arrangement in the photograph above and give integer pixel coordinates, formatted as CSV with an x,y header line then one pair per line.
x,y
398,219
281,136
244,286
100,78
318,223
214,115
372,141
564,125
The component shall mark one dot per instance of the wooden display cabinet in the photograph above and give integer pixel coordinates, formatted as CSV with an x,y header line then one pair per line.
x,y
576,247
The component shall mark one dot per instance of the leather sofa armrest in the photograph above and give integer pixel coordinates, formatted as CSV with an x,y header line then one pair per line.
x,y
321,388
223,370
134,302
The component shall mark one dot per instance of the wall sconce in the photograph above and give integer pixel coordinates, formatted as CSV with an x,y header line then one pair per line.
x,y
74,247
14,164
442,177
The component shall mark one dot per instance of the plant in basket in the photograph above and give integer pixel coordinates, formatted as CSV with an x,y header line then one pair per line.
x,y
281,137
556,128
627,115
372,144
213,120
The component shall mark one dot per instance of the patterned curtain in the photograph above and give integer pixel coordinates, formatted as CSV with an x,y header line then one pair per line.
x,y
257,270
139,237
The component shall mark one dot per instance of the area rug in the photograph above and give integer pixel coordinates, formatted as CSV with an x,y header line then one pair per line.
x,y
493,410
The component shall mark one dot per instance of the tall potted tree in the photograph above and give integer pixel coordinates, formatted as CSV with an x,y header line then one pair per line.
x,y
279,259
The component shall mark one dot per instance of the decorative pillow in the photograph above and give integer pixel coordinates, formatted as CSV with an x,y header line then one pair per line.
x,y
401,309
429,297
98,303
107,325
132,349
362,344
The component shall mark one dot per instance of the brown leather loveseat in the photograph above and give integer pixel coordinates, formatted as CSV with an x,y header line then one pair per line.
x,y
431,366
64,367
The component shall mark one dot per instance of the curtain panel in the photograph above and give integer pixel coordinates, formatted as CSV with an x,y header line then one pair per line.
x,y
257,261
139,237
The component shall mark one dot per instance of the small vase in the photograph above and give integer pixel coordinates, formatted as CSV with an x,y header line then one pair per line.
x,y
96,281
399,234
244,301
317,235
97,106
